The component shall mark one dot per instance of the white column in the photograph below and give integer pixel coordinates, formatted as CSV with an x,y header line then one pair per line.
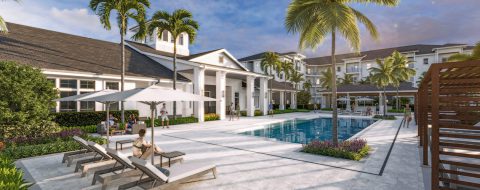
x,y
264,95
293,101
184,103
220,95
380,103
250,91
282,100
324,101
199,85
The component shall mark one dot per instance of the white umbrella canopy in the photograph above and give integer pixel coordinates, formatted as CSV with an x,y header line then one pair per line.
x,y
343,99
364,99
152,96
83,97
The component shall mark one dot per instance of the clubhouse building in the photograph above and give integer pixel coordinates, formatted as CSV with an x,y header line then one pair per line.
x,y
79,65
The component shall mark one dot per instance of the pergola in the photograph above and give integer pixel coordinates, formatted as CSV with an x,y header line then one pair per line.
x,y
448,117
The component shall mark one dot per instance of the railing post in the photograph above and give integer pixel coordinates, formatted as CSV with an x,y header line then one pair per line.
x,y
435,128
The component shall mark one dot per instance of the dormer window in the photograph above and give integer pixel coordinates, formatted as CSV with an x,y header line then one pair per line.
x,y
165,36
180,40
221,59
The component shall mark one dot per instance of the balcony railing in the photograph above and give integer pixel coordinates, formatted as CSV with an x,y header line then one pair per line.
x,y
353,70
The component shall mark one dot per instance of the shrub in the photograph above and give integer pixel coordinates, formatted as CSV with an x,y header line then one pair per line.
x,y
10,176
395,111
354,150
177,121
40,128
25,96
290,111
85,129
303,97
387,117
255,113
71,119
18,152
63,135
2,146
211,117
326,109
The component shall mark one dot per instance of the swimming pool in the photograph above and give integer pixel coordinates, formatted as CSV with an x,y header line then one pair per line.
x,y
305,130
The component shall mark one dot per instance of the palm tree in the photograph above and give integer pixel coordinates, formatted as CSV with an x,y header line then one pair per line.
x,y
420,78
316,19
286,68
296,78
133,9
347,79
307,85
269,64
401,71
3,23
466,57
383,76
178,23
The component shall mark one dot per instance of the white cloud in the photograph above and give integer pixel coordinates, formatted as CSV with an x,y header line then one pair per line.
x,y
77,21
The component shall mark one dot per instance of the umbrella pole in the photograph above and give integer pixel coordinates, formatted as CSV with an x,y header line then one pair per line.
x,y
152,126
107,105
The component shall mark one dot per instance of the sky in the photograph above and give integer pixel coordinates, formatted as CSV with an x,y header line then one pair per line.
x,y
246,27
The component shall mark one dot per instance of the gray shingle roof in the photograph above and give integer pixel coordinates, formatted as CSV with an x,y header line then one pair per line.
x,y
379,53
60,51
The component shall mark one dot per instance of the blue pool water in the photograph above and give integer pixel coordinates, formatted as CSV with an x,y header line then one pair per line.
x,y
304,131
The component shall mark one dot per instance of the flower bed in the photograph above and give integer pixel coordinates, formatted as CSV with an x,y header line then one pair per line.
x,y
354,150
256,113
85,129
63,135
211,117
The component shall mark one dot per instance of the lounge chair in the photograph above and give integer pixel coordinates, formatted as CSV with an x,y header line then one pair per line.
x,y
122,168
86,151
174,175
100,155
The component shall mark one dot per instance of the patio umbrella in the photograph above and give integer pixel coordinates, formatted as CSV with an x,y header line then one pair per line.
x,y
152,96
82,97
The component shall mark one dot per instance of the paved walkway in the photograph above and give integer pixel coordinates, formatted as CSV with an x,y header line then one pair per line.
x,y
245,162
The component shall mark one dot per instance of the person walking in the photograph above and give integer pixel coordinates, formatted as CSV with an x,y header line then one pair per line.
x,y
231,112
407,115
237,111
315,108
164,115
270,109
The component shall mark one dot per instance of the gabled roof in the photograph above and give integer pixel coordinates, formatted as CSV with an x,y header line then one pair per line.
x,y
379,53
260,56
60,51
404,86
148,49
273,84
193,56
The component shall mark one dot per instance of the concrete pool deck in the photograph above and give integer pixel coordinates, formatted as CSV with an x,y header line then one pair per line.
x,y
246,162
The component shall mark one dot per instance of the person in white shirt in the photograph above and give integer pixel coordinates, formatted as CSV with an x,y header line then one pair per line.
x,y
164,115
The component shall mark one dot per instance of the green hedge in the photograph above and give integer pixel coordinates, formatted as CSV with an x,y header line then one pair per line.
x,y
396,111
177,121
18,152
85,129
211,117
256,113
10,176
71,119
326,109
387,117
289,111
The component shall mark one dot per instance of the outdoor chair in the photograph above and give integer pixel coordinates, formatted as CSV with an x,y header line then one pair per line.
x,y
86,151
100,155
122,168
168,178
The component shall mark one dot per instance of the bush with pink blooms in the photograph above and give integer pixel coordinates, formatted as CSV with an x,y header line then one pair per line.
x,y
351,149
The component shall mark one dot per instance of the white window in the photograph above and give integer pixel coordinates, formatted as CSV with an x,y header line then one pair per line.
x,y
68,106
221,59
112,85
425,61
180,39
87,106
165,36
87,84
68,83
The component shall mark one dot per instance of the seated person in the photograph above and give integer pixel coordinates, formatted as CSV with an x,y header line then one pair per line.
x,y
131,120
111,120
142,149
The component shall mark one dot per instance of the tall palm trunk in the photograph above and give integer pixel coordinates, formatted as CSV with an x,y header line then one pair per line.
x,y
334,93
271,88
122,85
285,92
384,102
397,99
175,76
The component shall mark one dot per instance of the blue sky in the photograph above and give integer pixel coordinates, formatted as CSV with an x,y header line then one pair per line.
x,y
246,27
